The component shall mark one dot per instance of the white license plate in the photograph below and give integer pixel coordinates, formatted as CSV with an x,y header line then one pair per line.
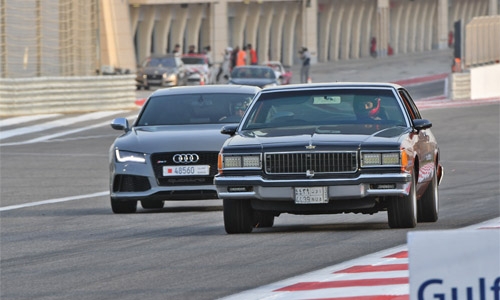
x,y
186,170
311,195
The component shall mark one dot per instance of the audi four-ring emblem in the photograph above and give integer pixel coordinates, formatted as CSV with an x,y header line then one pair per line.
x,y
186,158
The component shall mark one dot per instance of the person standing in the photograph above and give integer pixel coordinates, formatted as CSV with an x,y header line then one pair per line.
x,y
192,49
241,58
252,54
177,50
225,68
305,56
234,56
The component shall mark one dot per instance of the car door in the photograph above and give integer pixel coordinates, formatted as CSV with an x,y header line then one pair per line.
x,y
424,144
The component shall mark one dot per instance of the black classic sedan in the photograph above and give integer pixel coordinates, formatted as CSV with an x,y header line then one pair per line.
x,y
170,151
327,149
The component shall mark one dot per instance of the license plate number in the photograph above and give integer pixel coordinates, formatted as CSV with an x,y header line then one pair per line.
x,y
311,195
186,170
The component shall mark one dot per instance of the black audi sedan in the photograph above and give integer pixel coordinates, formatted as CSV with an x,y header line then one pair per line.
x,y
327,149
170,151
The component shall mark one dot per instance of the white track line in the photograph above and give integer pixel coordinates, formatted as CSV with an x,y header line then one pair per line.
x,y
57,200
56,123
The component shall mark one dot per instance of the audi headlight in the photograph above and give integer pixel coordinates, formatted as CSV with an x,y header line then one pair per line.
x,y
129,156
241,161
375,159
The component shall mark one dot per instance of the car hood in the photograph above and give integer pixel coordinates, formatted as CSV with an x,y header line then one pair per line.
x,y
260,82
151,139
157,70
351,137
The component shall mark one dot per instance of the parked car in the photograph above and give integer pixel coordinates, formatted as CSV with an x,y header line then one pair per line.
x,y
170,151
161,71
198,68
327,149
283,73
261,76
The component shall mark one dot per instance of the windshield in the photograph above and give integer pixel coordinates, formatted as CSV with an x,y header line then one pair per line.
x,y
243,72
193,60
160,62
320,108
214,108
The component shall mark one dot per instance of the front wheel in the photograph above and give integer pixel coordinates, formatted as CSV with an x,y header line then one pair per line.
x,y
238,216
120,207
402,211
428,205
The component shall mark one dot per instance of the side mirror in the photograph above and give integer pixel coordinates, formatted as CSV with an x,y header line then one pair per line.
x,y
420,124
120,124
229,129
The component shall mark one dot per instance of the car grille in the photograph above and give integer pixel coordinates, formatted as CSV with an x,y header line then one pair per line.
x,y
319,162
157,76
159,160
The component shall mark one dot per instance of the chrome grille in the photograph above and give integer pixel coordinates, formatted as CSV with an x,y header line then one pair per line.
x,y
319,162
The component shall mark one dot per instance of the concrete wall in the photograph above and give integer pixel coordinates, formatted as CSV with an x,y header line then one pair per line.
x,y
484,82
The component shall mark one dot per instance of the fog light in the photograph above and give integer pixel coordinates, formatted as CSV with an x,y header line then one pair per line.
x,y
385,186
237,189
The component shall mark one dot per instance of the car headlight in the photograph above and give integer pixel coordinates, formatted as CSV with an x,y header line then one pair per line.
x,y
169,76
251,161
129,156
375,159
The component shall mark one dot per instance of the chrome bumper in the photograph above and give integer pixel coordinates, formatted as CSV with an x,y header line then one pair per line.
x,y
363,186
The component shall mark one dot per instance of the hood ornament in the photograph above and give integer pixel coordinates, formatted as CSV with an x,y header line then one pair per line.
x,y
310,173
310,146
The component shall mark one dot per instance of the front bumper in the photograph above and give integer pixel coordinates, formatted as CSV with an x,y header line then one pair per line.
x,y
366,185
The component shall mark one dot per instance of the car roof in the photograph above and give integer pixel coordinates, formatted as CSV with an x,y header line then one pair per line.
x,y
216,88
252,67
318,86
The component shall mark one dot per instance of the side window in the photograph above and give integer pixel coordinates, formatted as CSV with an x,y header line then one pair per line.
x,y
410,105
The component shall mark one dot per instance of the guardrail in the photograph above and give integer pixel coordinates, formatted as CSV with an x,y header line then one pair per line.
x,y
40,95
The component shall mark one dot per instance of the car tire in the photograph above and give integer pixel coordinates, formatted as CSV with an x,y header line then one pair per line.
x,y
238,216
121,207
152,204
402,211
428,204
263,220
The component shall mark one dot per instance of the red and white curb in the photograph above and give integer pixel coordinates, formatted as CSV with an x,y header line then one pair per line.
x,y
382,275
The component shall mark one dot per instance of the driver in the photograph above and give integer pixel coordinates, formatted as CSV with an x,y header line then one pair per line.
x,y
367,108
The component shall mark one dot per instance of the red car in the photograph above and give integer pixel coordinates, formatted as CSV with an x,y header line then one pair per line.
x,y
283,73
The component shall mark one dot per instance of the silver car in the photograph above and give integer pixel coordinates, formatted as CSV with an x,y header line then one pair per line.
x,y
170,151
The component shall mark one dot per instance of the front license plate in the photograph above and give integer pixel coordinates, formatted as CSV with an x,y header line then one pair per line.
x,y
311,195
186,170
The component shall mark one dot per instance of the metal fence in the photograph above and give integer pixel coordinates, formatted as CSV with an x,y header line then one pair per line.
x,y
48,38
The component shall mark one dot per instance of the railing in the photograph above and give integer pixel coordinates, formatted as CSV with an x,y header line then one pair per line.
x,y
40,95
